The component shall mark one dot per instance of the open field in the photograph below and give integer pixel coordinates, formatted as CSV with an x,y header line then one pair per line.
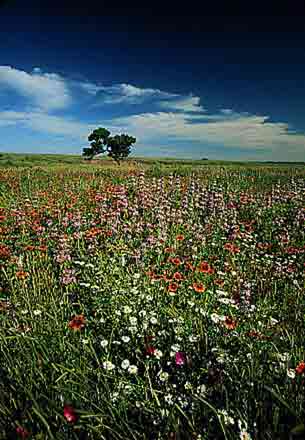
x,y
158,299
32,160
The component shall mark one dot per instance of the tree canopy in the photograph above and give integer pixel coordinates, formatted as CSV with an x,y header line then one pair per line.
x,y
117,147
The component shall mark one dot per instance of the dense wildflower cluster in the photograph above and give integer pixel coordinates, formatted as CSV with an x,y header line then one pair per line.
x,y
140,307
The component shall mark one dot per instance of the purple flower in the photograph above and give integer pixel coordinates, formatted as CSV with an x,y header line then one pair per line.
x,y
180,358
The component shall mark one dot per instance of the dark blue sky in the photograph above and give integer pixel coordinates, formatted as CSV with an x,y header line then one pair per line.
x,y
160,73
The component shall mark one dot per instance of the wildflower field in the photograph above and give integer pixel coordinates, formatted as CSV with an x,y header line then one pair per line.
x,y
149,302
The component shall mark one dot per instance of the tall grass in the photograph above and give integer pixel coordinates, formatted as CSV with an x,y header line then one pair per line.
x,y
152,301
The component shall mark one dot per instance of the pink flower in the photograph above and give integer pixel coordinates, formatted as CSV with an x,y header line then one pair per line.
x,y
22,432
70,414
180,358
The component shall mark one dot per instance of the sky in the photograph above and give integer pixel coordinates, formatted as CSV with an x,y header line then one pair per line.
x,y
187,82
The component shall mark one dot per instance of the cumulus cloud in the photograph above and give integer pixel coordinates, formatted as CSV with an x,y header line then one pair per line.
x,y
250,132
47,91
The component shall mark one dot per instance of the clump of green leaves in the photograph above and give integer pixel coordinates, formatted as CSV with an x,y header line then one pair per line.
x,y
117,147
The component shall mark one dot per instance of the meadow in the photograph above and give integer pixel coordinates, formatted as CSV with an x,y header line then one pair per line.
x,y
158,299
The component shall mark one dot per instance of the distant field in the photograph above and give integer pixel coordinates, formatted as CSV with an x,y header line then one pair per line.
x,y
32,160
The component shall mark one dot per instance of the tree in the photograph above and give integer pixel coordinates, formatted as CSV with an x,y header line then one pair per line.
x,y
118,147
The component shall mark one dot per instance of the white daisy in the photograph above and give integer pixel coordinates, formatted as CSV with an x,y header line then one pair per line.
x,y
125,364
133,369
125,339
107,365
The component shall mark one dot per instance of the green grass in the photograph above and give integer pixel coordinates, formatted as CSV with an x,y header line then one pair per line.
x,y
27,160
192,273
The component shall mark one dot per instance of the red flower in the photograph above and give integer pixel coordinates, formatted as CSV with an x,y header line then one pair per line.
x,y
4,251
235,249
42,248
169,250
70,414
176,261
180,358
178,276
77,322
22,275
150,350
180,237
228,247
231,247
22,432
93,232
173,287
199,287
203,267
300,369
29,248
230,323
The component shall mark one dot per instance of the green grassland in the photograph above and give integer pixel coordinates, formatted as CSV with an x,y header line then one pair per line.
x,y
23,160
156,299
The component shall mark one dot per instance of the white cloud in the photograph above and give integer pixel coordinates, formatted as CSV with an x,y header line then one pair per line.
x,y
129,90
184,104
48,91
261,138
129,94
89,87
10,117
246,132
182,117
45,123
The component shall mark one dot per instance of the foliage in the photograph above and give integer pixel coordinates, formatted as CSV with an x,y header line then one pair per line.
x,y
117,147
